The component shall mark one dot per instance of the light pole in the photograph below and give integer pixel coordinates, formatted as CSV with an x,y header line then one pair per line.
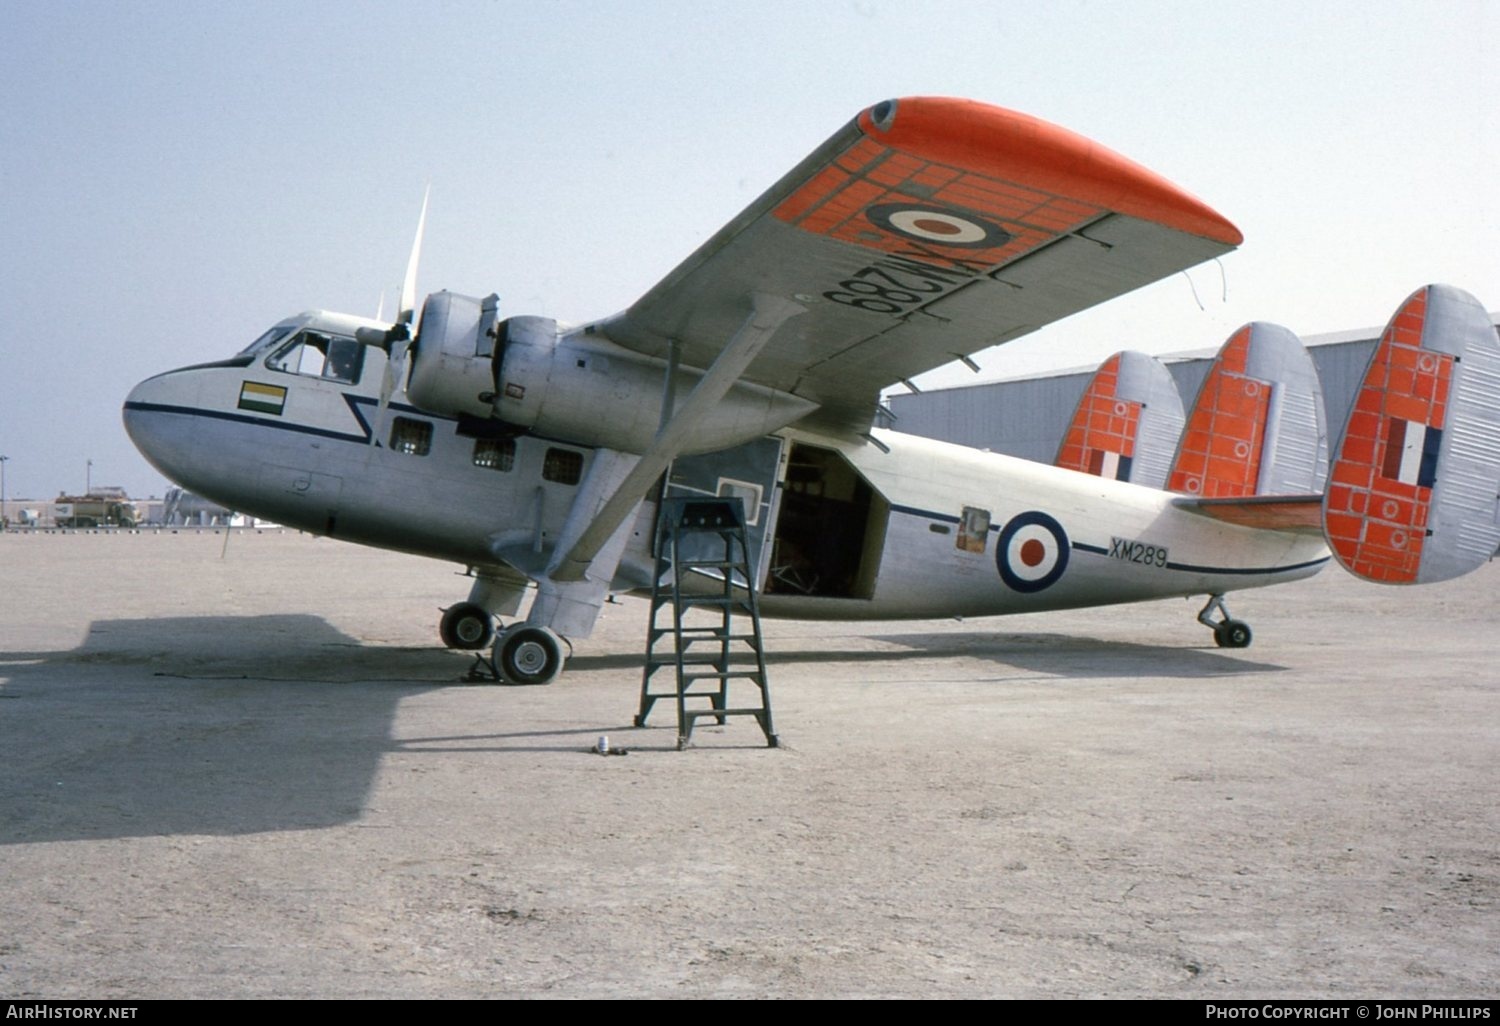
x,y
88,478
3,461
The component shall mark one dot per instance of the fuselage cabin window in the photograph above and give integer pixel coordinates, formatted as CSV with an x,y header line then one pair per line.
x,y
495,453
413,437
563,466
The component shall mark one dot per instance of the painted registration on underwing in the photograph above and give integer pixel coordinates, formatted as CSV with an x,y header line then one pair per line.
x,y
900,283
1131,551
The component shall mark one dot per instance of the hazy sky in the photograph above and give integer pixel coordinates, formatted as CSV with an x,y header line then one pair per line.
x,y
174,177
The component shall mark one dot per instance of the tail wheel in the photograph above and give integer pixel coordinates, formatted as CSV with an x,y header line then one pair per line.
x,y
466,626
1232,634
529,655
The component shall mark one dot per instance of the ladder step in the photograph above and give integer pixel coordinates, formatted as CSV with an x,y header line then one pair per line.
x,y
713,602
715,633
695,713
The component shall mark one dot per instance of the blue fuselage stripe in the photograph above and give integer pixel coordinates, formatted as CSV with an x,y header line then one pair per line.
x,y
1190,568
912,511
240,418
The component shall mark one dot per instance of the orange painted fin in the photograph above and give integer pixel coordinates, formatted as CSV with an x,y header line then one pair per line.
x,y
1126,423
1257,426
1412,494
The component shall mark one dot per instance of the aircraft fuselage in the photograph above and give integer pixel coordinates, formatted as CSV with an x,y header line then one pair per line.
x,y
907,528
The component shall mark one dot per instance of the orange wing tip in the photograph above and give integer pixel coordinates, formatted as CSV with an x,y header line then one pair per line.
x,y
1015,147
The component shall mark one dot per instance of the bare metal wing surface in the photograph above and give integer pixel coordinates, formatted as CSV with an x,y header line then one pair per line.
x,y
926,229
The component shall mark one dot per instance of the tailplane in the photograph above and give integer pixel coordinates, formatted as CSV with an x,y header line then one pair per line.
x,y
1412,495
1127,422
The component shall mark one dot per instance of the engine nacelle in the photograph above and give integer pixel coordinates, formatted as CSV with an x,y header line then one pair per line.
x,y
452,357
578,387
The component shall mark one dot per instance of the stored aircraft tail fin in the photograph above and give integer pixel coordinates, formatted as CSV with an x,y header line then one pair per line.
x,y
1412,495
1257,426
1126,423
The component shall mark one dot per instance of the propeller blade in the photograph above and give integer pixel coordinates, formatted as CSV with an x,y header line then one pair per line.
x,y
408,305
396,340
395,367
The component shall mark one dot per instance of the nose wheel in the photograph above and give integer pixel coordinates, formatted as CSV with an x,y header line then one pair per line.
x,y
1228,632
466,626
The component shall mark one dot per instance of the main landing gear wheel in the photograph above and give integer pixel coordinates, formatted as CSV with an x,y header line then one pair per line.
x,y
528,655
466,626
1228,632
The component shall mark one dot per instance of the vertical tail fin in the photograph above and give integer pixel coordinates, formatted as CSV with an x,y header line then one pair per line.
x,y
1126,423
1257,426
1412,495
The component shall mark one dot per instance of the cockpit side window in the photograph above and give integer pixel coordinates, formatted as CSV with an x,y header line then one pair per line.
x,y
320,355
268,339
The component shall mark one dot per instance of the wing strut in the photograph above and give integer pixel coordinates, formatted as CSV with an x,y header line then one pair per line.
x,y
768,314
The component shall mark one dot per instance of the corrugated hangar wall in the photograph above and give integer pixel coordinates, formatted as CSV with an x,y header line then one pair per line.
x,y
1026,417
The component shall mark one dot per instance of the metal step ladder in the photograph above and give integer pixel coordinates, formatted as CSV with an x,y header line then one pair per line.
x,y
701,547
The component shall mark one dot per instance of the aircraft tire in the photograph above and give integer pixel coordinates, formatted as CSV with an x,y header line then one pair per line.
x,y
1232,634
528,655
467,627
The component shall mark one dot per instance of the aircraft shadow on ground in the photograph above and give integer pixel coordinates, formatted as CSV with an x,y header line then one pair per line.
x,y
1058,655
200,725
233,725
1065,655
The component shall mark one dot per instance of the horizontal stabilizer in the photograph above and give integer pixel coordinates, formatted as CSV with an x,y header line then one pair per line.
x,y
1301,514
1412,494
1257,426
1127,422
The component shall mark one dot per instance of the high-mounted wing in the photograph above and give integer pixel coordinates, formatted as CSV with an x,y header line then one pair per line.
x,y
926,229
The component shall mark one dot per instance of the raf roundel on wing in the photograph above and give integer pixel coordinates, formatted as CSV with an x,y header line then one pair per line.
x,y
938,224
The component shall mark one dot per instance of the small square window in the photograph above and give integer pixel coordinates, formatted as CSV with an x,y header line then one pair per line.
x,y
495,453
413,437
747,493
973,529
563,466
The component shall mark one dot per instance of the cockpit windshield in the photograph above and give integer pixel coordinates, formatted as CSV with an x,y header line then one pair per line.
x,y
320,355
268,339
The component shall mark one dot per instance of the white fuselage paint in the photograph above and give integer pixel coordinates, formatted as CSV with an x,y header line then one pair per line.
x,y
313,467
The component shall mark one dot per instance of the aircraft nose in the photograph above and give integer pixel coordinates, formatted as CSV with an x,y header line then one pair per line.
x,y
147,416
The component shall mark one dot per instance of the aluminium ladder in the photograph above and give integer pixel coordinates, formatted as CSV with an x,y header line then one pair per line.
x,y
701,546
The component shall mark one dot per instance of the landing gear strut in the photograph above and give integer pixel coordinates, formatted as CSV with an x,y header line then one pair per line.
x,y
1228,632
467,626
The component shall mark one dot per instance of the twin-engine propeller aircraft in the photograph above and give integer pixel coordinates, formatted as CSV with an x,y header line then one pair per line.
x,y
924,231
